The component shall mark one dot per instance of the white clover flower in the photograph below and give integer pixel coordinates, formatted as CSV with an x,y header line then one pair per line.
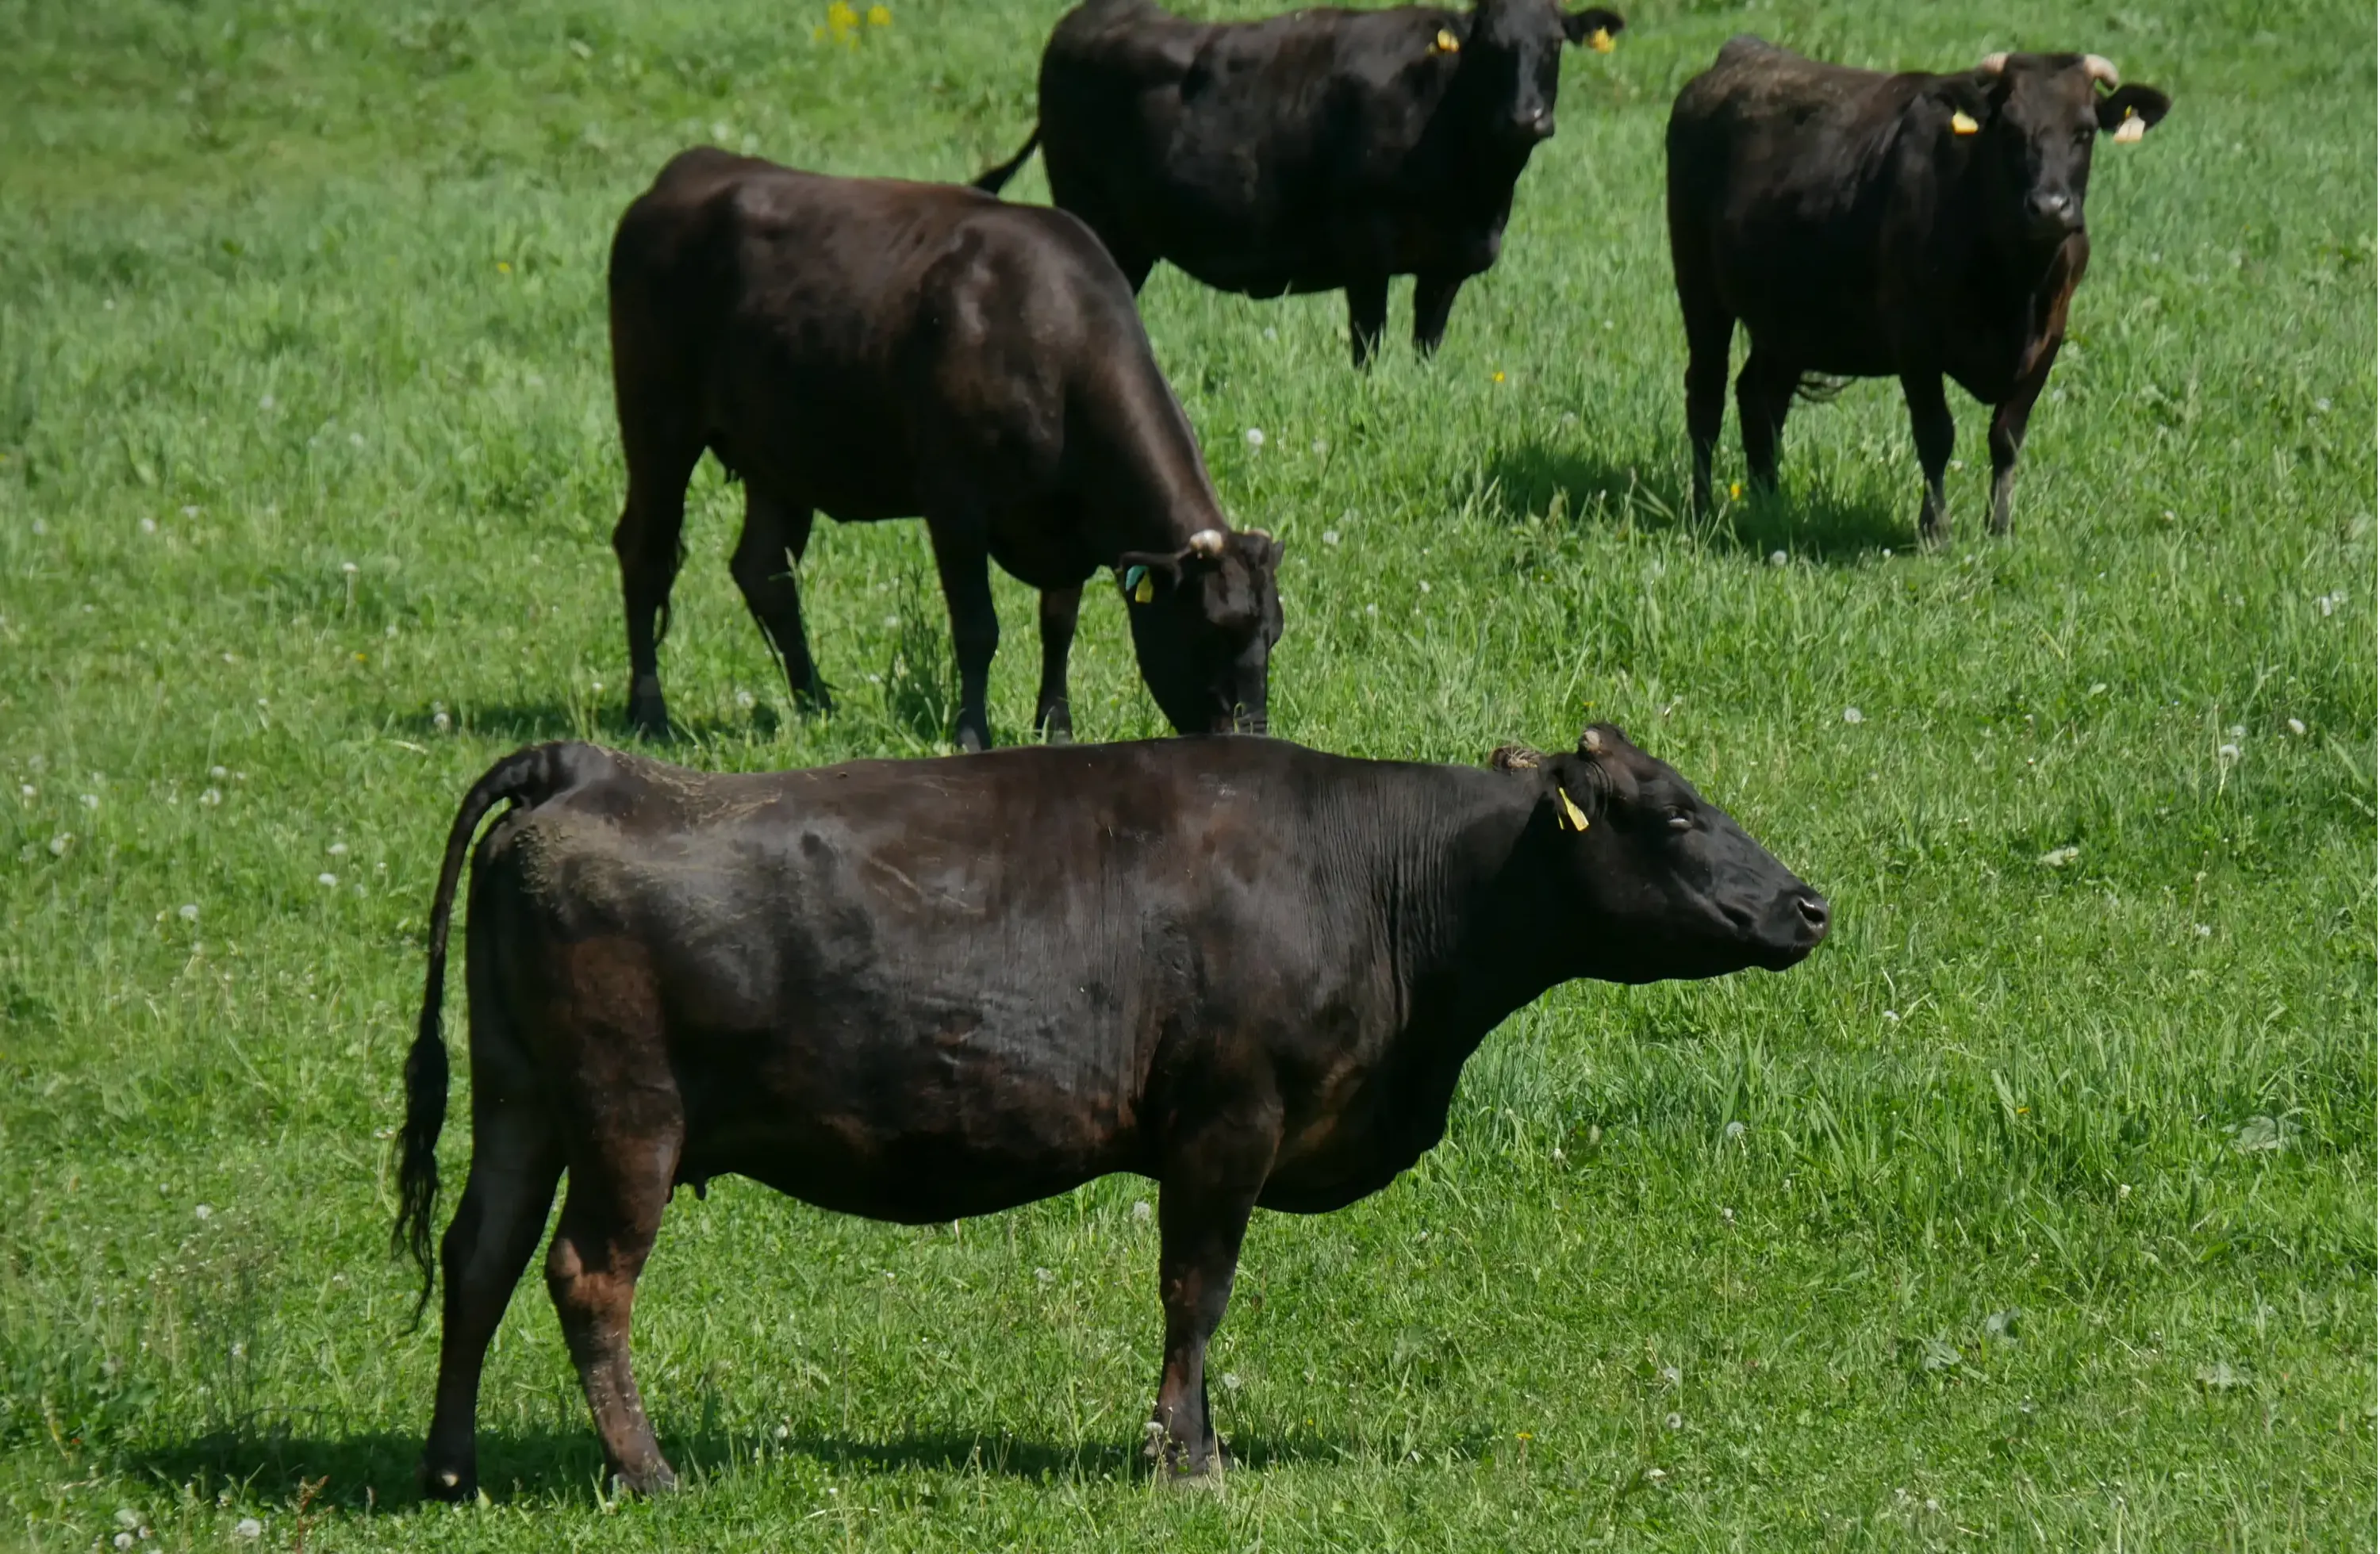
x,y
212,797
1424,584
2295,727
204,1212
1675,1421
90,801
189,911
1321,445
1043,1276
60,843
148,526
1331,536
28,789
338,849
331,881
1140,1210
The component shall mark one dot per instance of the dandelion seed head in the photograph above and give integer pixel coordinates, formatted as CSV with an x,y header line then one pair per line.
x,y
2297,728
327,879
148,526
338,849
1854,715
247,1527
1778,558
188,912
1256,437
1331,536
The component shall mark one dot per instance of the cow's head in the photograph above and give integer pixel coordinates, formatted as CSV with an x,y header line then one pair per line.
x,y
1668,885
1204,620
1511,68
2033,120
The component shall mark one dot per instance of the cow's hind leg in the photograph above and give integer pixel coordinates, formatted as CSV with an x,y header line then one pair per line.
x,y
1367,316
1206,1191
514,1164
1433,301
662,456
776,535
1936,435
1052,715
610,1216
1710,332
963,556
1764,392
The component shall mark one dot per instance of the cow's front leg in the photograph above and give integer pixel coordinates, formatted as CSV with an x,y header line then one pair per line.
x,y
1051,714
1433,301
2009,419
1208,1188
1937,434
1367,316
962,557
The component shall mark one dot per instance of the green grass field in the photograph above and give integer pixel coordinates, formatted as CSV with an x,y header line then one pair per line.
x,y
2035,1210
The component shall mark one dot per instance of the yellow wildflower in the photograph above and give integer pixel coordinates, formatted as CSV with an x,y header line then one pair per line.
x,y
880,16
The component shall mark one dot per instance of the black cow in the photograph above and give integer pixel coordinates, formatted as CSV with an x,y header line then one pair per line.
x,y
879,350
1869,225
915,990
1323,150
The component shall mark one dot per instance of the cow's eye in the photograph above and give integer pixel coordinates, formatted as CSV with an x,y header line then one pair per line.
x,y
1680,821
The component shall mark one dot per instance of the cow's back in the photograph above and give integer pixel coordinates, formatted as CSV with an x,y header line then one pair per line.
x,y
832,335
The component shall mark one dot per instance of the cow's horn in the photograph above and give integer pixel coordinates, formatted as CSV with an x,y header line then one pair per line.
x,y
1994,63
2103,70
1591,741
1207,543
1257,533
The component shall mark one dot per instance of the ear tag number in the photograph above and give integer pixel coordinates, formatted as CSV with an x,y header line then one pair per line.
x,y
1448,43
1143,586
1962,125
1573,817
1600,39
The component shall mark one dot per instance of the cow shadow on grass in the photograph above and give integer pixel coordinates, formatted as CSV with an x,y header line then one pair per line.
x,y
286,1467
1651,492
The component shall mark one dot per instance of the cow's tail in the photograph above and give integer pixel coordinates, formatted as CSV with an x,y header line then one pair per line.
x,y
525,776
996,178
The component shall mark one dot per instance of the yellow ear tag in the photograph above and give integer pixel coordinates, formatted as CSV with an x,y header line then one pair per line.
x,y
1448,43
1962,125
1144,590
2133,128
1600,39
1573,816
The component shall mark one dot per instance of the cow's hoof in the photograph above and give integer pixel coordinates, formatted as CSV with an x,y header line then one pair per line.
x,y
451,1485
648,716
814,699
971,741
657,1479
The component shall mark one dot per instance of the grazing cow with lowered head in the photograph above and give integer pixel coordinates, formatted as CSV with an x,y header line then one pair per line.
x,y
1868,225
1315,152
917,991
872,350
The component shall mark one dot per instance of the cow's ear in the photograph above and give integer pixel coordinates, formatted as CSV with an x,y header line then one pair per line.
x,y
1515,757
1147,577
1593,29
2130,111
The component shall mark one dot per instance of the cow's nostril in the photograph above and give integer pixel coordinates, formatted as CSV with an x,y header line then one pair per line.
x,y
1814,912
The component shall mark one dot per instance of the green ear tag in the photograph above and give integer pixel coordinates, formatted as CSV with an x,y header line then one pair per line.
x,y
1142,587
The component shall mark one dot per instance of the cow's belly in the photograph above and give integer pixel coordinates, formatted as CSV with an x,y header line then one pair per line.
x,y
930,1112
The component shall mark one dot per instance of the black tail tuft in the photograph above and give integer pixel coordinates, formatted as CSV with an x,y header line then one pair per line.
x,y
995,180
529,776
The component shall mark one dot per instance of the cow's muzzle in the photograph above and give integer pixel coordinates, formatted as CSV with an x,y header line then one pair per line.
x,y
1532,125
